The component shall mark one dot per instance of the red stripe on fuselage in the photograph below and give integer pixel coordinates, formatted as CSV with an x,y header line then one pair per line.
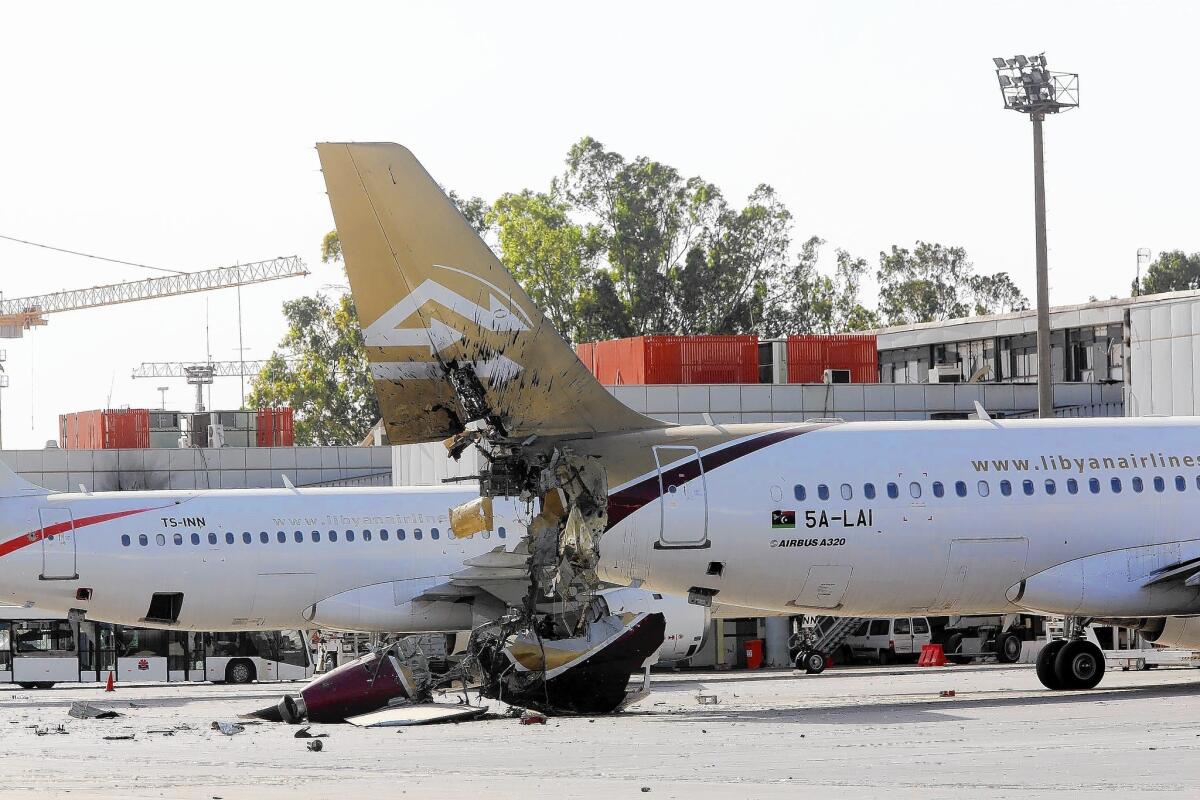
x,y
26,539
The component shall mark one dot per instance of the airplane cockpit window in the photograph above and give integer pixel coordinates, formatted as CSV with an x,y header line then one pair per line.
x,y
847,492
983,488
914,489
798,491
1027,486
1180,483
1094,485
960,488
1050,487
893,491
938,489
1115,483
1136,483
823,491
1005,488
1159,484
1072,486
869,491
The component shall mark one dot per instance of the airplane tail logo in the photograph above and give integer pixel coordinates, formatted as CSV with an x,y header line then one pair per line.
x,y
449,333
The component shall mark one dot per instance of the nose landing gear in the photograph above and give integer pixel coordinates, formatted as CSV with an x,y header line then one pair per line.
x,y
1072,663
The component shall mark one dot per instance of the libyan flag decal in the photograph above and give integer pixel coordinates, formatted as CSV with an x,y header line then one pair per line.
x,y
783,519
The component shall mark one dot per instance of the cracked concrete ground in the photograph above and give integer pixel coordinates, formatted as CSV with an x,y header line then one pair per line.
x,y
862,732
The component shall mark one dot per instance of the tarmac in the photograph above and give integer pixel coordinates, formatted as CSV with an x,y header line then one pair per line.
x,y
853,732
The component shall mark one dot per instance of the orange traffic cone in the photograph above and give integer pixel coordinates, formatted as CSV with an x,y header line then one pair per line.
x,y
109,686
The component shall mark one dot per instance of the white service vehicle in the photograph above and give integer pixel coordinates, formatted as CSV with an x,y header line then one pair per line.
x,y
889,640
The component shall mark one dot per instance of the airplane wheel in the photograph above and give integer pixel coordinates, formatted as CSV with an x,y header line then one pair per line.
x,y
1079,665
1045,664
1008,648
814,662
953,648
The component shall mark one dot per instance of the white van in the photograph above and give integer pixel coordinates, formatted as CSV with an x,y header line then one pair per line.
x,y
888,640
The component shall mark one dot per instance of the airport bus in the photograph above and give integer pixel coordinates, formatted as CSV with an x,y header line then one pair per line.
x,y
38,650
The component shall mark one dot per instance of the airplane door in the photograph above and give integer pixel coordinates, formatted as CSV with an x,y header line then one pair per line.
x,y
979,573
58,544
683,499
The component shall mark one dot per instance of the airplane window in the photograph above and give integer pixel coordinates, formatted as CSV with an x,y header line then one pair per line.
x,y
383,535
983,488
914,489
1180,483
960,488
1027,486
315,536
823,491
264,537
349,536
894,490
847,492
1072,486
1198,481
501,531
333,536
869,491
142,540
400,534
1094,485
799,492
160,539
434,533
1159,484
178,538
228,537
1050,487
938,489
417,534
1136,483
246,537
366,536
1116,485
125,540
1005,488
281,536
298,536
195,538
212,538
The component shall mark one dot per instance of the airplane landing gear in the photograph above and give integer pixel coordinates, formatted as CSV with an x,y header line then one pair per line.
x,y
1073,663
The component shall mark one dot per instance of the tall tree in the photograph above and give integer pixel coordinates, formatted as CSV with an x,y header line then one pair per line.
x,y
549,255
934,282
806,301
1172,271
321,373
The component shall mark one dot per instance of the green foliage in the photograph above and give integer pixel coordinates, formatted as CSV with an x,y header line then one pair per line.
x,y
935,282
1172,271
326,381
331,248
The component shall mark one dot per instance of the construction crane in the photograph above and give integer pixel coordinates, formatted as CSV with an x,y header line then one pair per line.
x,y
23,313
198,373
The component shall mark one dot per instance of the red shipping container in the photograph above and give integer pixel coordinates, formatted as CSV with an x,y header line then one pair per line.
x,y
809,356
273,427
108,429
672,359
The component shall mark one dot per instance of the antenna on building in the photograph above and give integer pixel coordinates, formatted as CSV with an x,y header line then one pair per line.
x,y
1143,257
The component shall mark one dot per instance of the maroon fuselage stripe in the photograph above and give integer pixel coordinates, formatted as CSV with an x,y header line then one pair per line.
x,y
26,539
628,500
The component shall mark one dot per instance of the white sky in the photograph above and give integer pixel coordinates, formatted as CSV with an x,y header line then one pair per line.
x,y
183,138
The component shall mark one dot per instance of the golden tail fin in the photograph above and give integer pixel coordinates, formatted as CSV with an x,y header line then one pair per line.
x,y
451,337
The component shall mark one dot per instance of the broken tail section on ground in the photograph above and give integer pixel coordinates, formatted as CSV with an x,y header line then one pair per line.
x,y
451,337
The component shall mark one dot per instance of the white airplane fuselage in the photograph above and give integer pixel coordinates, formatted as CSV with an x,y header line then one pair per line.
x,y
1067,517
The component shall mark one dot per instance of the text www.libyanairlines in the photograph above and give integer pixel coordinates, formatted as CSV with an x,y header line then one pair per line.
x,y
1060,463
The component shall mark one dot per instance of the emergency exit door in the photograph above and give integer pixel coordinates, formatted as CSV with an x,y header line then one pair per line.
x,y
683,499
58,544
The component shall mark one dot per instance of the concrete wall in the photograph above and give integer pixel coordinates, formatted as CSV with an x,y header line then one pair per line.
x,y
224,468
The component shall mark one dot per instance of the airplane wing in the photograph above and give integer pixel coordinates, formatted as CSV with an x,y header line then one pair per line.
x,y
451,337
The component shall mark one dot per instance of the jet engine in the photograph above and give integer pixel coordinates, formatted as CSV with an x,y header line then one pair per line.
x,y
1180,632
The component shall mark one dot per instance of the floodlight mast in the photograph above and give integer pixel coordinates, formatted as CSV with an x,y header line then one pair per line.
x,y
1029,88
